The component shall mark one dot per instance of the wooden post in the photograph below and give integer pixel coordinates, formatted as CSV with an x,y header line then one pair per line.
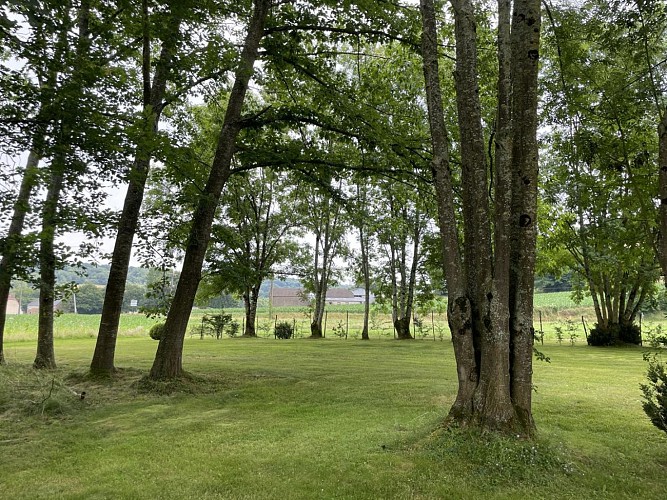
x,y
347,323
433,324
641,317
275,324
541,329
293,328
583,322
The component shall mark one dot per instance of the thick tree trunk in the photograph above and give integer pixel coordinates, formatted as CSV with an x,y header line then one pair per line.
x,y
105,347
526,25
402,327
491,390
168,359
459,311
12,240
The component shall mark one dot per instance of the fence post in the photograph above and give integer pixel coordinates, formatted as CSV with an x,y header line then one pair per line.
x,y
347,323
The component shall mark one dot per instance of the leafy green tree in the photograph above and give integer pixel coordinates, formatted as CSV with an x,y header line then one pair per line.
x,y
167,363
89,298
400,231
599,169
252,235
322,214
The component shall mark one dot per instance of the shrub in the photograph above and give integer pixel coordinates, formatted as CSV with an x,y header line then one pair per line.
x,y
614,334
157,331
284,330
655,392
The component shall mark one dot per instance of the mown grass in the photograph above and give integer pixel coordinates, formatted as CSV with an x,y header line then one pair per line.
x,y
260,418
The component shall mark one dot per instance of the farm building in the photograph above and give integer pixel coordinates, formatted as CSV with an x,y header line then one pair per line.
x,y
13,305
288,297
296,297
33,307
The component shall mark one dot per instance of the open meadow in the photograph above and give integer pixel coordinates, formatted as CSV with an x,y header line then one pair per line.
x,y
265,418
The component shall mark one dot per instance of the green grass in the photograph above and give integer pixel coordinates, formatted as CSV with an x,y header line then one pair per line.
x,y
318,419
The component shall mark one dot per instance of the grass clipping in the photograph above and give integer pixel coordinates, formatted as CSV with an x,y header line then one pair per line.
x,y
25,391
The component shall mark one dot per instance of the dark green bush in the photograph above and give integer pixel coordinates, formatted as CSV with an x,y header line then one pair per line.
x,y
284,330
614,334
157,331
655,392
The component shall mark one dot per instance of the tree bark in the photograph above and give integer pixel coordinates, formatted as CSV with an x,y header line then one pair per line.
x,y
250,299
12,240
45,357
526,25
168,359
488,295
662,193
459,312
105,347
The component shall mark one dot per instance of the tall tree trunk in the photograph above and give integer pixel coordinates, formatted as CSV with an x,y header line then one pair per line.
x,y
168,359
459,311
105,347
487,295
662,193
12,240
45,357
526,25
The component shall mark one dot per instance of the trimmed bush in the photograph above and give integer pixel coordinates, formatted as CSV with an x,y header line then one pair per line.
x,y
284,330
157,331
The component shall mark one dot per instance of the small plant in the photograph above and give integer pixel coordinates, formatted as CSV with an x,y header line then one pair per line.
x,y
655,336
567,330
157,331
284,330
559,333
339,330
217,324
655,392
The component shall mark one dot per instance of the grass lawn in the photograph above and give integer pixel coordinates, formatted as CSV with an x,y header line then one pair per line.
x,y
318,419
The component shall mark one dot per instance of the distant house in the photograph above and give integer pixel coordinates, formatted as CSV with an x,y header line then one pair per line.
x,y
346,296
13,305
287,297
296,297
33,307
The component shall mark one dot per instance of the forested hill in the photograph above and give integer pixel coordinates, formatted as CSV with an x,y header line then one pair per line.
x,y
98,275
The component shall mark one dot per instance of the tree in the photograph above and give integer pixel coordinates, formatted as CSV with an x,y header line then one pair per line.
x,y
89,298
321,213
599,170
168,359
490,282
400,231
251,237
